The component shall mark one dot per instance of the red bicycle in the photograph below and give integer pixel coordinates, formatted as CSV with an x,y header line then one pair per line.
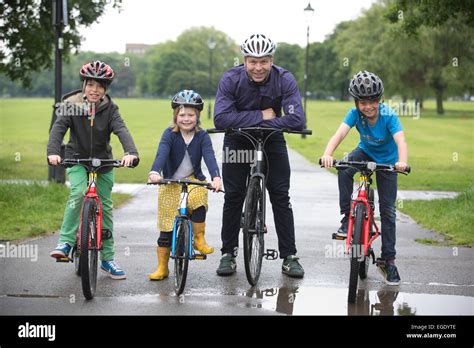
x,y
89,235
362,229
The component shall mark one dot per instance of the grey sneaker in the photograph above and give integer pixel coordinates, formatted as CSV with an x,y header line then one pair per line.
x,y
291,267
227,265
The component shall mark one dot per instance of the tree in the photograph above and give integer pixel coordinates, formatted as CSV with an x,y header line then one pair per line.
x,y
28,35
169,63
291,57
430,13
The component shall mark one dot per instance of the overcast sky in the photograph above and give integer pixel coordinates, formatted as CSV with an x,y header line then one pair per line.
x,y
156,21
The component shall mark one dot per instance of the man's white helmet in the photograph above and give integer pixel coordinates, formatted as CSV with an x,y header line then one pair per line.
x,y
258,45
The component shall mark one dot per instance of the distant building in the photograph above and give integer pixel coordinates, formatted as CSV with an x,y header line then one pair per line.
x,y
138,49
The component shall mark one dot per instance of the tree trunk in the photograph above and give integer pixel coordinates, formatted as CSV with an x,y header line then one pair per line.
x,y
439,101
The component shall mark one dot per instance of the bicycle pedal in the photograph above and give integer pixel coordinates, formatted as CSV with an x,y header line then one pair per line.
x,y
200,257
337,237
63,259
271,254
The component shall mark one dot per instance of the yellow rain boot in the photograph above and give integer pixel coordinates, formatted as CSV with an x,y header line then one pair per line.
x,y
162,270
199,243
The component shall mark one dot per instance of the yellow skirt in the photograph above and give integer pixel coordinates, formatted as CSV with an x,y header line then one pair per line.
x,y
169,201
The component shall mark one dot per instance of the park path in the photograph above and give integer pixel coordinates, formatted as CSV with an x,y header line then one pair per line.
x,y
435,279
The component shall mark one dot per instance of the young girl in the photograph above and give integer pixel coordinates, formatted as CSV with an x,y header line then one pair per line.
x,y
382,140
90,137
179,155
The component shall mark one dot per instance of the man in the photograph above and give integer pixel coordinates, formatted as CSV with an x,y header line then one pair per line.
x,y
248,95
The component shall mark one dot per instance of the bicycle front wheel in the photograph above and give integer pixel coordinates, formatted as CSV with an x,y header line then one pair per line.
x,y
253,230
356,251
181,256
89,251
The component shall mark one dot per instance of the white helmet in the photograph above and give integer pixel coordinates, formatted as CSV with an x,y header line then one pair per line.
x,y
258,45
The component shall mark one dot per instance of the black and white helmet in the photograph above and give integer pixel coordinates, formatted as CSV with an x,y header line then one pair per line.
x,y
366,85
258,45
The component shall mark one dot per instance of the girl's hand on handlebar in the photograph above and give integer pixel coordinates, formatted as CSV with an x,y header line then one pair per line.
x,y
326,161
217,184
127,160
401,166
154,178
54,160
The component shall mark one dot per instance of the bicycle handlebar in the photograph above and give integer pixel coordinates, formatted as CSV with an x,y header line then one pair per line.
x,y
95,163
184,182
245,129
371,166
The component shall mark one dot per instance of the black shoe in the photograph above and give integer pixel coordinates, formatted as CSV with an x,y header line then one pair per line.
x,y
389,273
291,267
227,266
342,231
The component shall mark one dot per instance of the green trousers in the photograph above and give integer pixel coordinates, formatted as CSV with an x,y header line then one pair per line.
x,y
78,178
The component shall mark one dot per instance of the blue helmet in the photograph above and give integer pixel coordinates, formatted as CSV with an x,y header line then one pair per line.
x,y
187,97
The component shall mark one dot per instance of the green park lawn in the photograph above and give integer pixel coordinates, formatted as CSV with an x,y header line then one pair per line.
x,y
441,153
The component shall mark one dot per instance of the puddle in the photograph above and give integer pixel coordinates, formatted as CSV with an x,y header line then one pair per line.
x,y
333,301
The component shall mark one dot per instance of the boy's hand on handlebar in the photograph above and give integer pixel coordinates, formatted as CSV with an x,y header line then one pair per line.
x,y
127,160
217,184
326,161
154,178
54,160
268,114
401,166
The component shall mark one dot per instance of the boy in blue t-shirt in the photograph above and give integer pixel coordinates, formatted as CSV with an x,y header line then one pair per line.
x,y
382,141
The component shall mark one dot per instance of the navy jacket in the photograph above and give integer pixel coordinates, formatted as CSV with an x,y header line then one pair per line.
x,y
240,101
172,149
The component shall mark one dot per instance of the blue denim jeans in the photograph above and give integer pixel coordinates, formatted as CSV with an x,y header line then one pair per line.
x,y
387,189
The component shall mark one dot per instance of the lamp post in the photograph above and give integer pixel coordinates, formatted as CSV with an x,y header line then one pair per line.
x,y
211,44
59,21
308,13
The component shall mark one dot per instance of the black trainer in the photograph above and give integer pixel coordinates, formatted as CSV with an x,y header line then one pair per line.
x,y
389,273
227,266
291,267
342,231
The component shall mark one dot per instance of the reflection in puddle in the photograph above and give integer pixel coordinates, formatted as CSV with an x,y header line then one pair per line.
x,y
333,301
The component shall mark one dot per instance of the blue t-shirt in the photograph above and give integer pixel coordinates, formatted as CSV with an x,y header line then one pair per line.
x,y
377,140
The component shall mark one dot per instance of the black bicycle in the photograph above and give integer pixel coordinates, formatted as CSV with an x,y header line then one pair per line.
x,y
253,216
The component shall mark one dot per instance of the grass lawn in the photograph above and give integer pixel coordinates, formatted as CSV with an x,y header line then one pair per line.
x,y
32,210
441,148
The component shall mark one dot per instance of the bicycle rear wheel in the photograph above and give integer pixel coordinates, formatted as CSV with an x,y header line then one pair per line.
x,y
253,230
89,251
181,256
356,251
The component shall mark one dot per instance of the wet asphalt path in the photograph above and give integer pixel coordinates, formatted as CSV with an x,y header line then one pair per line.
x,y
435,280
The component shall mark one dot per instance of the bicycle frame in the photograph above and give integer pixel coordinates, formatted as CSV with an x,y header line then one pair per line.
x,y
92,193
183,215
362,197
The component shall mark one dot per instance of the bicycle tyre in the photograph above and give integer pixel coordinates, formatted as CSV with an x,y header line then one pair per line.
x,y
88,258
181,257
253,230
356,249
